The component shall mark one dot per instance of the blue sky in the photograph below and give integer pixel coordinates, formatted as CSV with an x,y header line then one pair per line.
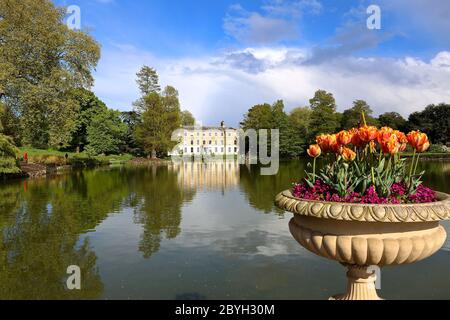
x,y
225,56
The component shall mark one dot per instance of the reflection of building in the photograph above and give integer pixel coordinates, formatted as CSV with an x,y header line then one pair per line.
x,y
209,175
197,141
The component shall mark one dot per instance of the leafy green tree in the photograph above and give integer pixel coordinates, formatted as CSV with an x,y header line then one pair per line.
x,y
106,133
131,120
187,119
265,116
148,81
324,118
352,118
393,120
8,152
301,120
161,117
258,117
41,61
434,120
89,107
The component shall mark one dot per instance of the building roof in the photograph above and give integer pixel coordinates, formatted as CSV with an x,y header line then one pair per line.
x,y
206,128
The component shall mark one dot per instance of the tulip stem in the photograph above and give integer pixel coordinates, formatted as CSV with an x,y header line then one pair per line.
x,y
364,119
417,163
314,170
412,165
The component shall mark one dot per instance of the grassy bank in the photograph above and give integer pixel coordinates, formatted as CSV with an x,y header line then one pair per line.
x,y
430,155
56,157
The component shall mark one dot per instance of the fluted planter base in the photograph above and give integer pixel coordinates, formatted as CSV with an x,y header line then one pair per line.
x,y
361,285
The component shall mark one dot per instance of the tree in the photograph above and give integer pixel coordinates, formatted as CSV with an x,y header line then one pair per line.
x,y
258,117
131,120
324,118
106,133
187,119
159,120
89,105
352,118
434,120
393,120
8,152
266,116
301,120
148,81
41,61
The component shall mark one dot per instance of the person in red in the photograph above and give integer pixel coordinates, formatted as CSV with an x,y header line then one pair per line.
x,y
25,157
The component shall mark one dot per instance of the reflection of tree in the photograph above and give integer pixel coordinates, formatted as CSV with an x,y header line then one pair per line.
x,y
261,190
41,231
159,209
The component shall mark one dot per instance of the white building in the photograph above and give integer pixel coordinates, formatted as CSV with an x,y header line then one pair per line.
x,y
216,141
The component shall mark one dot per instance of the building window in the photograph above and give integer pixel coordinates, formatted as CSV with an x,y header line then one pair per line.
x,y
192,142
216,150
204,142
192,150
210,142
235,150
198,150
229,150
221,150
185,150
198,142
235,142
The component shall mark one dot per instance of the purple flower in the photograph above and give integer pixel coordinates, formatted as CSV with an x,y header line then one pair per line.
x,y
423,195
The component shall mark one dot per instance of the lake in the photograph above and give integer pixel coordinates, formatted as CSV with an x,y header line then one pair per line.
x,y
181,231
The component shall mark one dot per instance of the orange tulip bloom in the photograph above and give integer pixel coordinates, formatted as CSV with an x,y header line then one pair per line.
x,y
356,141
391,146
418,141
384,134
314,151
344,137
402,138
328,143
368,133
348,154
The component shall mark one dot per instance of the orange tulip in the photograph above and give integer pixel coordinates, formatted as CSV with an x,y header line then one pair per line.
x,y
356,141
314,151
402,138
384,134
344,137
328,143
348,154
419,141
368,133
391,146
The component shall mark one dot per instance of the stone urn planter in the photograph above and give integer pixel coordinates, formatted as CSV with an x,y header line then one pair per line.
x,y
360,236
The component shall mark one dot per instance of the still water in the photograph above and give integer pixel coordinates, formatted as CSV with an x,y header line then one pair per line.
x,y
185,231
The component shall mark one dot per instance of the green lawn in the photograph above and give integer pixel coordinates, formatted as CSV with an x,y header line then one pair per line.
x,y
33,152
430,155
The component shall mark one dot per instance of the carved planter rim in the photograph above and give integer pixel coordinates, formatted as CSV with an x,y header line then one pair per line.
x,y
393,213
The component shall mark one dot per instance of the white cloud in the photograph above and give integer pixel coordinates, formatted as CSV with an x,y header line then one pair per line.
x,y
225,86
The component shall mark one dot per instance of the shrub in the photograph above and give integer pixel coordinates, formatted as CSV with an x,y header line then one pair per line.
x,y
8,162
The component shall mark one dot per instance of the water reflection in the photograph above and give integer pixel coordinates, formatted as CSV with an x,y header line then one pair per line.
x,y
209,176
